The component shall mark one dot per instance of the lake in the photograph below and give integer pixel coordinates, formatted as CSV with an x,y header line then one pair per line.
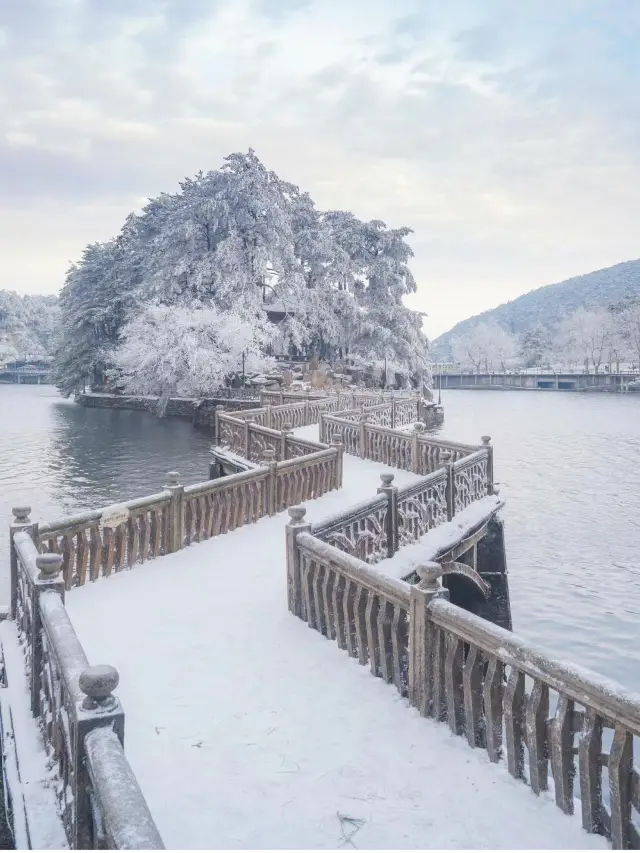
x,y
568,465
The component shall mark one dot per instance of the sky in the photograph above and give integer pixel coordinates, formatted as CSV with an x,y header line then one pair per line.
x,y
505,134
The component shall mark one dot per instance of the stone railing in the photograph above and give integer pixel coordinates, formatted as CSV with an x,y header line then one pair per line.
x,y
413,450
489,685
82,723
112,539
375,529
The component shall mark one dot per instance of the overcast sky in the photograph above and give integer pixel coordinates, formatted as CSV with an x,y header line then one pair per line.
x,y
506,133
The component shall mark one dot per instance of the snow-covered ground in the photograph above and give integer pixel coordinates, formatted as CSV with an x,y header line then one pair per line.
x,y
246,729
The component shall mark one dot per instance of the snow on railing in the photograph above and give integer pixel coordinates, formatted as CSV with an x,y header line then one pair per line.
x,y
76,708
489,685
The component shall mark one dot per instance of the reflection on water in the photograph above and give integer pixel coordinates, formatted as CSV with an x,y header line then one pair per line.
x,y
569,465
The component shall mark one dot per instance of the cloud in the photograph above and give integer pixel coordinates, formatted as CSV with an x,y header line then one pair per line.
x,y
506,135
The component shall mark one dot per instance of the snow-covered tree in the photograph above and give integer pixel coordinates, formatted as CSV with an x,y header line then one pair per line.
x,y
586,337
187,351
628,323
485,346
29,325
242,239
535,346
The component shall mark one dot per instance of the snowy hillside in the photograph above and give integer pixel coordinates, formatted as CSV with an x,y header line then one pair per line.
x,y
548,306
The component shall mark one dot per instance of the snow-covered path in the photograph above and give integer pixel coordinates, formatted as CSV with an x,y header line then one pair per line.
x,y
246,729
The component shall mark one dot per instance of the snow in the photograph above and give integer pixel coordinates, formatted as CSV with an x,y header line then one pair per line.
x,y
31,777
427,548
246,729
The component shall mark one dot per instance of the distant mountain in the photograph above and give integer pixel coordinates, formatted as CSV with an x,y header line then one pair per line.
x,y
29,326
547,306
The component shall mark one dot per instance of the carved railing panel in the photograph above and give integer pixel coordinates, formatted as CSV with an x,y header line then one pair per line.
x,y
336,429
261,439
231,433
406,412
220,506
389,448
90,550
361,532
367,614
421,507
496,690
432,454
296,447
307,478
470,477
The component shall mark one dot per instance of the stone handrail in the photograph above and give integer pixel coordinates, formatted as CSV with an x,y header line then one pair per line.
x,y
460,669
342,598
475,680
179,516
75,706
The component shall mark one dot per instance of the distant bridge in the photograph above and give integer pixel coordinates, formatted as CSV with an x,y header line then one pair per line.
x,y
26,374
540,381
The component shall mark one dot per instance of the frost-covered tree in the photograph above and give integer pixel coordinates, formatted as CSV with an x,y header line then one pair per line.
x,y
586,337
187,351
486,345
95,301
535,346
29,325
240,238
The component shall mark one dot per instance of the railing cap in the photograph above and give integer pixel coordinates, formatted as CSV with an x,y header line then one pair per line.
x,y
269,454
486,439
297,513
49,565
98,683
387,479
173,478
21,514
430,575
287,427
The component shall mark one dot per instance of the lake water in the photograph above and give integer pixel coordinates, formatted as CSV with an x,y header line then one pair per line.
x,y
568,464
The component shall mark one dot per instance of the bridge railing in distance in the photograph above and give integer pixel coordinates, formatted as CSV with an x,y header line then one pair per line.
x,y
82,722
489,685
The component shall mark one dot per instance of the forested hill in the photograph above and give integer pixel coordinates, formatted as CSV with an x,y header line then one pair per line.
x,y
548,306
29,326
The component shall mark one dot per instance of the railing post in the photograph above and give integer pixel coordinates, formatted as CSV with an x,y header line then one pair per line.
x,y
421,637
391,519
174,538
48,580
269,416
321,428
281,397
451,485
269,457
393,413
294,570
287,430
339,446
307,422
486,442
247,436
415,447
99,708
216,424
362,436
21,521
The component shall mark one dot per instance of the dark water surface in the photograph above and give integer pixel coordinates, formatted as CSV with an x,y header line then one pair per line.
x,y
58,457
568,464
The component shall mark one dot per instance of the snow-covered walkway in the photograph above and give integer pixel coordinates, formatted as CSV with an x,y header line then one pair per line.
x,y
246,729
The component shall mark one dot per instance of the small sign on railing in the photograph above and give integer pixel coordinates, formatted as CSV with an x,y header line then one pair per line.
x,y
114,516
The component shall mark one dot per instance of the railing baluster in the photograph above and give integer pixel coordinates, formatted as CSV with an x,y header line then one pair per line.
x,y
589,752
620,766
360,608
453,684
514,704
562,753
372,632
536,726
492,695
472,686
